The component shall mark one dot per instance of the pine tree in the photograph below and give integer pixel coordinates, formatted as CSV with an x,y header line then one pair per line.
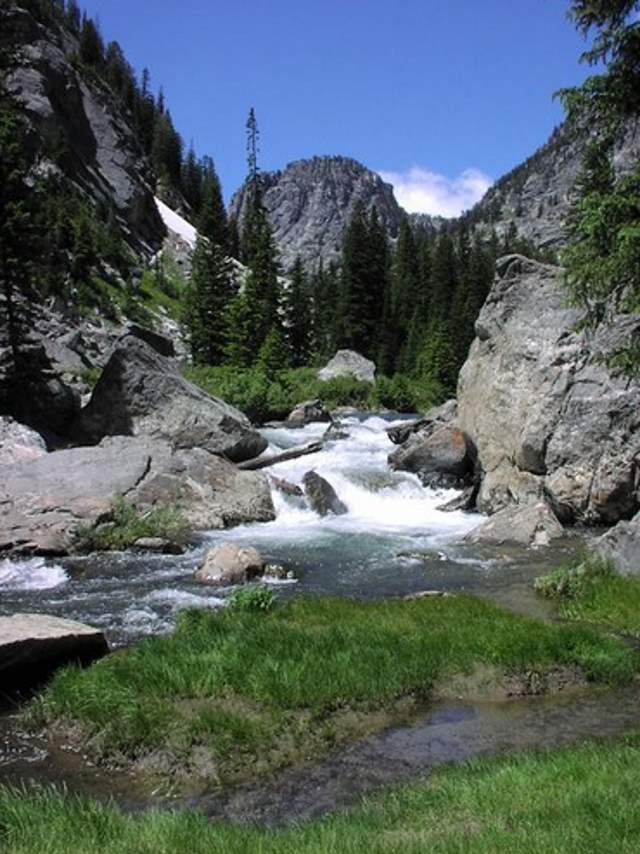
x,y
212,216
210,293
298,316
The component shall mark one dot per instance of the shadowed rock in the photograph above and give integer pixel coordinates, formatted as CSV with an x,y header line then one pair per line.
x,y
442,456
322,496
32,646
141,393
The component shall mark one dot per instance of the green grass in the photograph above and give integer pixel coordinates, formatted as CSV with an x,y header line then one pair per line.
x,y
264,397
589,591
259,690
127,524
579,800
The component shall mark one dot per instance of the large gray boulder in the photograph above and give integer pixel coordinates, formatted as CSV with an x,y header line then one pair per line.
x,y
19,442
621,546
547,417
348,363
32,646
141,393
322,496
529,525
44,501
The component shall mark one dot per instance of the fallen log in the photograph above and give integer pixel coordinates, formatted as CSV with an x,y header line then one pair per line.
x,y
292,454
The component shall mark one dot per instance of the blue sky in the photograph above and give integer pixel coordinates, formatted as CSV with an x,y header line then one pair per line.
x,y
439,95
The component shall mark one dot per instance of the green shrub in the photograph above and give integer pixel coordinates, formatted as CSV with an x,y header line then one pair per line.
x,y
574,580
128,524
254,597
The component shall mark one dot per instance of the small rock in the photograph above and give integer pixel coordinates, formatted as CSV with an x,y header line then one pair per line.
x,y
285,486
322,496
306,413
278,572
428,594
530,525
335,432
158,545
230,564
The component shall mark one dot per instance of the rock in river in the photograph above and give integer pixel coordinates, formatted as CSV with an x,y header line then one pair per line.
x,y
529,525
322,496
230,564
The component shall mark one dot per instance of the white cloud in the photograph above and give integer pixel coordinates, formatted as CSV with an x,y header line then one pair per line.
x,y
419,190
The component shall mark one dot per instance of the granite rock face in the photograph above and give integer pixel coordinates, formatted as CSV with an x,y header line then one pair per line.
x,y
310,204
44,501
64,104
547,417
141,393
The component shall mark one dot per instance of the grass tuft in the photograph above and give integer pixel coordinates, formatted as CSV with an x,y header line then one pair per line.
x,y
128,524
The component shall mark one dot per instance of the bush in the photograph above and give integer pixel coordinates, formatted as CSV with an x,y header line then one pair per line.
x,y
574,580
254,597
127,524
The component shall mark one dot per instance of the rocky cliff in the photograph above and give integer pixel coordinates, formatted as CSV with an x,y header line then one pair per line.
x,y
548,418
311,202
75,126
535,196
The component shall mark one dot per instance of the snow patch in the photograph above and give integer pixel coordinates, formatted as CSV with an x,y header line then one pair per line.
x,y
177,224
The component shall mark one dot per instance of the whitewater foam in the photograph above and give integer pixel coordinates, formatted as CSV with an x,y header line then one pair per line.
x,y
32,574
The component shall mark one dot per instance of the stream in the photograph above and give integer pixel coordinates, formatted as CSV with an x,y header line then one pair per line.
x,y
393,541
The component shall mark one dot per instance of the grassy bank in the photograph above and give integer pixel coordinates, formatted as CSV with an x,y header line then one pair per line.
x,y
234,693
581,799
589,591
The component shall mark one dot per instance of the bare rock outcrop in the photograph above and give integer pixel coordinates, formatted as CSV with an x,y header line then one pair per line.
x,y
44,501
548,418
141,393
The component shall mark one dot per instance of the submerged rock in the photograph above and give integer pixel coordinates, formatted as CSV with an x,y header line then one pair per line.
x,y
348,363
32,646
621,546
322,496
44,501
547,416
529,525
230,564
285,486
141,393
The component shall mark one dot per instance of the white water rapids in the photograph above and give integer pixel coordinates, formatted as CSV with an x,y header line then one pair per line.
x,y
392,541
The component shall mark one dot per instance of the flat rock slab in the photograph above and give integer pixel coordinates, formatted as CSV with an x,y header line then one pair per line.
x,y
32,646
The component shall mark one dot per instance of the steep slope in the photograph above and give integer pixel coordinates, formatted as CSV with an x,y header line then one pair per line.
x,y
76,128
535,196
311,202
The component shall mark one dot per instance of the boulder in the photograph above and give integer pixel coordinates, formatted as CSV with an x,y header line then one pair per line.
x,y
434,418
528,525
230,564
621,546
348,363
322,496
285,486
548,418
19,442
158,545
141,393
306,413
32,646
444,454
44,501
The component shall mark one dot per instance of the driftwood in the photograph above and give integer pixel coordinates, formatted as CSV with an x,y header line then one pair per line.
x,y
292,454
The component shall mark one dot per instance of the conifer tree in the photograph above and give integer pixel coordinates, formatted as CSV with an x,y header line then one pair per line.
x,y
212,216
209,296
298,315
